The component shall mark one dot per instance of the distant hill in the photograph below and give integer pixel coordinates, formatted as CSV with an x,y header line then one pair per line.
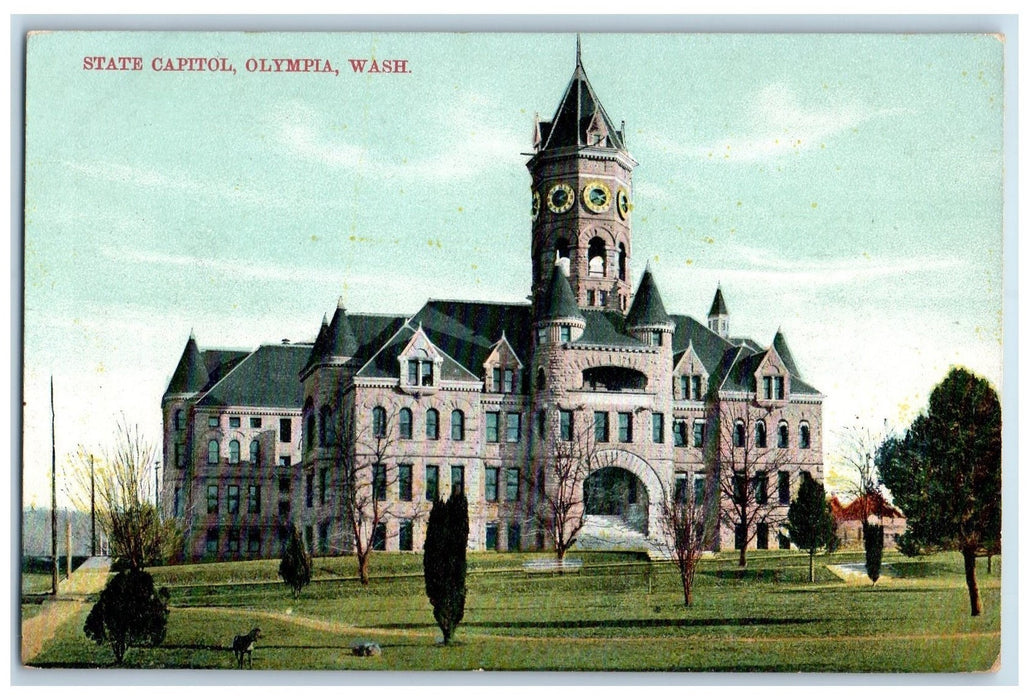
x,y
36,532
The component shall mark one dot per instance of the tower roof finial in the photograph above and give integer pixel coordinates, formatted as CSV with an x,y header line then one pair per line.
x,y
578,51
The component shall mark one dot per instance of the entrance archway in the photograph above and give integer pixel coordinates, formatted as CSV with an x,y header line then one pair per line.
x,y
617,491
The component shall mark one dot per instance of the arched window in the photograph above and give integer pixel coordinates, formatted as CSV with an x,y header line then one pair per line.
x,y
233,451
805,436
432,424
212,452
622,258
378,422
760,434
326,428
255,452
739,434
541,380
406,424
784,434
597,257
562,254
180,419
457,425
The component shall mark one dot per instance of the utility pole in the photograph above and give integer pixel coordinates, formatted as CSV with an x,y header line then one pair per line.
x,y
68,541
92,508
53,492
157,491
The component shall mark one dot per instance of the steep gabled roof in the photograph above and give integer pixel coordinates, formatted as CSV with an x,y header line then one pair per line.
x,y
779,343
709,346
559,301
578,109
718,307
190,374
647,308
265,378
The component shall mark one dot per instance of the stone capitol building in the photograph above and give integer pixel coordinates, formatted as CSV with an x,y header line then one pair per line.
x,y
480,396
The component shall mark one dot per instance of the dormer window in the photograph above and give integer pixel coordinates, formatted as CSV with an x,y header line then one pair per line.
x,y
774,388
419,373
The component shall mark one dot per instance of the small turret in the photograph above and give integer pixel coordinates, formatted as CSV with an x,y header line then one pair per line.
x,y
559,318
336,342
647,319
190,375
718,316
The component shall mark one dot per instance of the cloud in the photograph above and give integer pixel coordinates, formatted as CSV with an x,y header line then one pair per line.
x,y
235,269
778,124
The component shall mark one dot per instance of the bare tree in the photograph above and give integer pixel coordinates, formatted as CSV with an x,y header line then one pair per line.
x,y
557,484
682,517
368,466
860,481
747,455
124,484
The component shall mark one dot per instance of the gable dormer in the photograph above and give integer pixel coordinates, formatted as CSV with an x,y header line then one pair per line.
x,y
690,377
421,365
502,369
772,378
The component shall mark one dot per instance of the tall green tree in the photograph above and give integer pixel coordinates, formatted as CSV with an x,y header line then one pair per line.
x,y
445,563
810,522
945,473
129,613
295,567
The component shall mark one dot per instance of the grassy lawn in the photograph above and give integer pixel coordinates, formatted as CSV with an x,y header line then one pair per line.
x,y
617,613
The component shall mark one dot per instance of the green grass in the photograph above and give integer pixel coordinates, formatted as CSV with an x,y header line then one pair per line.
x,y
36,583
617,613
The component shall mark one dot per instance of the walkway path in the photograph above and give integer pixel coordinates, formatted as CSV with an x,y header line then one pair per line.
x,y
86,580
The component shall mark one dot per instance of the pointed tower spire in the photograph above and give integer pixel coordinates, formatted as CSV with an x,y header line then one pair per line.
x,y
190,374
578,51
781,347
718,316
647,309
560,300
336,341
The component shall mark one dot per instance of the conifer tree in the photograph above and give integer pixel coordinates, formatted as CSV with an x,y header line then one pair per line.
x,y
444,562
810,521
873,535
295,567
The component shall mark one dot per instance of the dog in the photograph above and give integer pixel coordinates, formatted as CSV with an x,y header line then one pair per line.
x,y
243,645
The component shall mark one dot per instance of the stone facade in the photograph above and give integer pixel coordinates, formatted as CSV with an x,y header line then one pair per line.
x,y
484,396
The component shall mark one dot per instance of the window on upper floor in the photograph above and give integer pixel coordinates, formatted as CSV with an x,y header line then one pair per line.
x,y
566,334
601,431
761,488
232,499
613,378
404,482
326,427
512,481
679,433
513,422
432,424
805,436
597,257
379,482
253,499
760,434
431,482
655,338
420,373
212,452
657,427
602,298
779,385
285,430
255,422
457,425
565,425
212,499
767,385
739,434
255,452
233,421
492,426
378,422
784,488
406,424
784,434
541,335
492,489
456,479
623,258
179,420
698,433
509,381
624,427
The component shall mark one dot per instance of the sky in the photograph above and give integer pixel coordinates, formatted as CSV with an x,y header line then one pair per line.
x,y
843,188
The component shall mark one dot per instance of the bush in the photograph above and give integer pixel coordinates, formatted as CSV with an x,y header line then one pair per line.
x,y
295,567
129,613
445,562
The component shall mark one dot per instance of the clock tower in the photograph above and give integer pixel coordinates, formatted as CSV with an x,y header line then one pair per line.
x,y
582,200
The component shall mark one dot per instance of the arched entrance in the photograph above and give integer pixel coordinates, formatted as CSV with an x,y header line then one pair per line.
x,y
618,492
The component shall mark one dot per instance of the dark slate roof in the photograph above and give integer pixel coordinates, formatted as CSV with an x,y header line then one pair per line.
x,y
718,307
647,308
784,352
265,378
559,300
191,373
335,341
740,376
709,346
577,109
606,328
464,331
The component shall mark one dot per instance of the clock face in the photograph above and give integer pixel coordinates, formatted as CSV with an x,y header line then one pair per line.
x,y
535,204
623,203
596,196
560,198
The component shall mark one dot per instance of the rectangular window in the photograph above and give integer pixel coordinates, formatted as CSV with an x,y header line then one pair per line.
x,y
285,430
212,541
590,298
566,334
761,488
491,484
740,537
762,535
212,422
456,479
406,536
780,388
602,297
180,455
431,483
512,479
412,372
491,536
496,379
323,485
541,423
541,335
514,536
323,538
655,338
404,482
624,427
509,384
379,537
253,499
684,387
254,541
680,488
426,373
432,424
285,461
255,422
309,491
514,427
233,421
492,426
784,488
178,501
739,487
232,499
657,425
379,482
233,541
698,433
566,425
212,499
601,432
767,383
679,433
695,380
698,488
284,484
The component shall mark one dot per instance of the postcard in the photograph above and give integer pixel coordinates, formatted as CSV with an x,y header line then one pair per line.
x,y
513,352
